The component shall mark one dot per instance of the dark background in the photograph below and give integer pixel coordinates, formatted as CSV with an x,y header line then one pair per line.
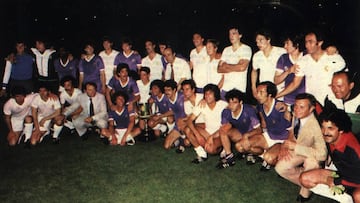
x,y
72,22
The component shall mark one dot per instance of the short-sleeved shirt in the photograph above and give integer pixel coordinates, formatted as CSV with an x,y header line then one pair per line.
x,y
109,60
15,110
121,119
267,65
246,121
69,68
155,65
200,69
161,105
144,91
70,99
277,126
45,108
189,108
284,63
213,76
130,87
318,74
133,60
91,69
236,80
212,117
177,106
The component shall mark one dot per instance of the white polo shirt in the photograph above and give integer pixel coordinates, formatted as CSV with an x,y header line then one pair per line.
x,y
200,70
189,108
212,117
45,108
155,65
213,76
267,65
318,74
108,60
236,80
65,97
144,91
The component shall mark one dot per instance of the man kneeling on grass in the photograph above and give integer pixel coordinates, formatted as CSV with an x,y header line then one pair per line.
x,y
344,152
121,128
237,121
206,138
277,125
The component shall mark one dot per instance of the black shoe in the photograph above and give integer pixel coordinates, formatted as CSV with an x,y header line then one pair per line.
x,y
180,149
250,159
105,140
225,163
85,136
240,156
56,140
265,166
27,144
198,160
300,198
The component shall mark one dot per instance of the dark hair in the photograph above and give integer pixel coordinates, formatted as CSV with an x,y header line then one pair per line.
x,y
318,34
89,43
107,38
213,88
297,40
349,76
170,83
235,28
190,82
158,83
66,79
43,85
235,94
121,66
126,41
18,90
271,88
264,32
338,117
214,42
309,97
91,84
145,69
119,94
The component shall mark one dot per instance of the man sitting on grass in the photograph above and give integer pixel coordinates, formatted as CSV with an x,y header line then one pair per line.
x,y
121,128
237,121
206,138
277,125
344,153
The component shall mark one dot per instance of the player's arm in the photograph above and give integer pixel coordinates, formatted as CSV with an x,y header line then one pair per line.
x,y
103,81
34,114
241,66
51,116
291,87
190,124
255,131
7,119
253,77
81,79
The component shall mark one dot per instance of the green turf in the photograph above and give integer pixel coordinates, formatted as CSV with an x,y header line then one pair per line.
x,y
88,171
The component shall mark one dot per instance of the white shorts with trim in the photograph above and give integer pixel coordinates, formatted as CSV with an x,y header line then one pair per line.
x,y
270,142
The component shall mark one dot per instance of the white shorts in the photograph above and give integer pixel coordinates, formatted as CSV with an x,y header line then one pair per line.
x,y
17,124
270,142
46,126
119,133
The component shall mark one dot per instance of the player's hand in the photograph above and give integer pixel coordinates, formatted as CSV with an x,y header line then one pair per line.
x,y
42,122
281,106
88,120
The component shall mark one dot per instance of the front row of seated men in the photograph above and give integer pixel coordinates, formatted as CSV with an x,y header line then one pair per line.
x,y
295,145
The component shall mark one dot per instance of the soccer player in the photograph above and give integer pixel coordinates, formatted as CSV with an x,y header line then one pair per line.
x,y
176,109
265,60
214,77
91,69
130,57
206,138
198,62
234,62
277,124
66,65
108,57
158,121
238,120
316,67
17,115
305,148
44,110
344,153
153,61
121,128
122,82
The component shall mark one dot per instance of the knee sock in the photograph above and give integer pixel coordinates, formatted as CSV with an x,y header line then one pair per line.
x,y
28,128
57,130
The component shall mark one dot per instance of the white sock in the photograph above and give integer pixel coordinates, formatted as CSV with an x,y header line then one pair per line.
x,y
200,151
170,126
28,128
162,127
57,130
